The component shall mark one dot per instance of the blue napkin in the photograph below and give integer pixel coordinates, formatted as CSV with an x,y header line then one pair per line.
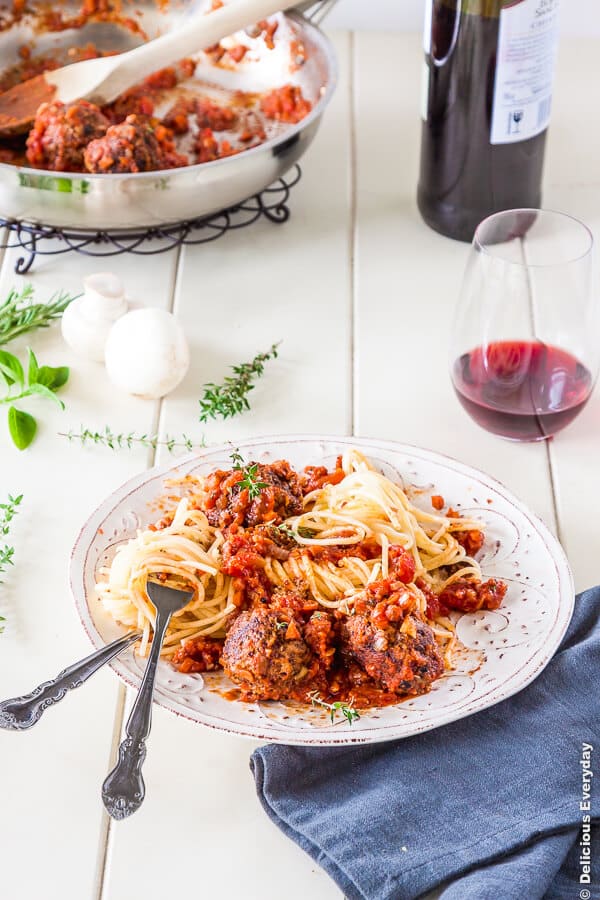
x,y
489,805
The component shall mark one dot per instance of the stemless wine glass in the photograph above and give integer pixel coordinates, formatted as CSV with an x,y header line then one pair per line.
x,y
525,347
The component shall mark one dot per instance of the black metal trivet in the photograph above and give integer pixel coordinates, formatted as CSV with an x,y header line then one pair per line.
x,y
272,203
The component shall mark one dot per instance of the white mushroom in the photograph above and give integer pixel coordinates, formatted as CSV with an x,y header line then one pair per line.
x,y
147,353
87,321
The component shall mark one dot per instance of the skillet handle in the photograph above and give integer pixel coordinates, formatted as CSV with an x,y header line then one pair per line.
x,y
315,10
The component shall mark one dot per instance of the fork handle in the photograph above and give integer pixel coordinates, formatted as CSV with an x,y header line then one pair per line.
x,y
123,790
20,713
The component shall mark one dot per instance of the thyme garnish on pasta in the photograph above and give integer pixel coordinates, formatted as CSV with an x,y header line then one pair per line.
x,y
349,712
251,481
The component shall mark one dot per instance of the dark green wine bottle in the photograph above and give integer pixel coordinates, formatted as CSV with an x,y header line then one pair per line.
x,y
487,91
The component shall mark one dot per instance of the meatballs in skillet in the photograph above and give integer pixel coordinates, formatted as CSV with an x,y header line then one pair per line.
x,y
61,133
139,144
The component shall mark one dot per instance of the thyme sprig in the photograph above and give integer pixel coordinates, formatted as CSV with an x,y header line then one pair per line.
x,y
251,480
8,511
128,440
223,401
349,712
19,314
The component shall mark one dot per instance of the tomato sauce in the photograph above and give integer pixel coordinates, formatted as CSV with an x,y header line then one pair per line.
x,y
133,153
280,642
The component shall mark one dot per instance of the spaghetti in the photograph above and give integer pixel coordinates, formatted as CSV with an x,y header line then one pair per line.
x,y
334,579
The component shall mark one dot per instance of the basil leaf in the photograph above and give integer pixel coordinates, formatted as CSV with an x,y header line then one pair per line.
x,y
42,391
52,378
11,368
33,368
22,427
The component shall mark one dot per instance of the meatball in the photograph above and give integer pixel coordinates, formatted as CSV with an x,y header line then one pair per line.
x,y
402,660
61,133
266,655
139,144
228,500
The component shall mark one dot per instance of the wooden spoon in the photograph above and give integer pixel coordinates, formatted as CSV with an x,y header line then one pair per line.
x,y
102,80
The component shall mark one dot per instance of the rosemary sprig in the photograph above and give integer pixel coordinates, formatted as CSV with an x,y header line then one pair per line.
x,y
18,314
127,441
251,480
349,713
230,398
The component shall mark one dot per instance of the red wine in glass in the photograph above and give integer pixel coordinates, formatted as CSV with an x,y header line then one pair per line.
x,y
522,390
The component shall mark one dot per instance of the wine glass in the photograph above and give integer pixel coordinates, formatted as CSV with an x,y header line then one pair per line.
x,y
526,345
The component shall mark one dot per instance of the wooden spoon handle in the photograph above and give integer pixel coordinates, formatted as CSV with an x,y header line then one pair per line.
x,y
201,31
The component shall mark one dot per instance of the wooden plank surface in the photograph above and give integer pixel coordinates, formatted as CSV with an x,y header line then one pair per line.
x,y
52,775
408,280
364,316
572,185
234,298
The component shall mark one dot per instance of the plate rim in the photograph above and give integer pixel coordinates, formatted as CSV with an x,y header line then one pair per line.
x,y
566,590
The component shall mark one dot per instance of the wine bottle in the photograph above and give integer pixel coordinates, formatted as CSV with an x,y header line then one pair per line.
x,y
487,92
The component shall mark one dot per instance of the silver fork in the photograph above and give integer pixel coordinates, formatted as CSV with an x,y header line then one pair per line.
x,y
20,713
124,789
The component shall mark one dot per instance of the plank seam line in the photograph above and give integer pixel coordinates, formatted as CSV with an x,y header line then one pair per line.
x,y
4,235
353,236
107,835
106,823
553,476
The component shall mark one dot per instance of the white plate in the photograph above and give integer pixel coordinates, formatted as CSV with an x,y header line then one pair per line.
x,y
505,649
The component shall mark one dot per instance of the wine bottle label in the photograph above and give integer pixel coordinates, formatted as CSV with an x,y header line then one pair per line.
x,y
527,43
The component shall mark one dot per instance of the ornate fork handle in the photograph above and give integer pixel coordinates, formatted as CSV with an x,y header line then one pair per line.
x,y
123,790
20,713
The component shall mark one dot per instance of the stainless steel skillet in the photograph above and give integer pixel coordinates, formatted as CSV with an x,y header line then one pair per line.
x,y
156,198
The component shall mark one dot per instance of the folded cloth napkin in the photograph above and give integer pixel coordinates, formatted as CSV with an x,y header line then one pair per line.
x,y
492,805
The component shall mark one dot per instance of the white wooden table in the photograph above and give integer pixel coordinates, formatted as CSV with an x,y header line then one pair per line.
x,y
361,294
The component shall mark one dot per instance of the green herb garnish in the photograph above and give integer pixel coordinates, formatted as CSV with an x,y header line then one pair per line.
x,y
39,381
223,401
285,529
251,480
126,441
8,511
18,314
349,713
